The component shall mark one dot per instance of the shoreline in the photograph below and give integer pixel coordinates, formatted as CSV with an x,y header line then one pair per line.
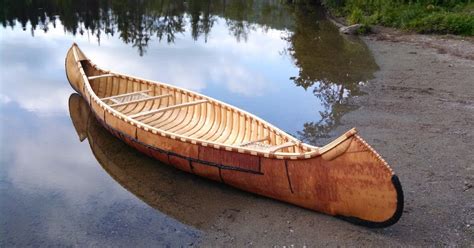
x,y
460,46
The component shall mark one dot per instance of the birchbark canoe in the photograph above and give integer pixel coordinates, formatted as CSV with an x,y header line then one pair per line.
x,y
346,178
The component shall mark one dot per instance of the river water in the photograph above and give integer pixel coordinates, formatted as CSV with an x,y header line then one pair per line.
x,y
284,62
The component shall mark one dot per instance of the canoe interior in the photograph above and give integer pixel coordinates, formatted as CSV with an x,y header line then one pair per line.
x,y
188,114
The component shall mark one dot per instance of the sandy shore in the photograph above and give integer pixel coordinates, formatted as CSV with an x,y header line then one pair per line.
x,y
419,114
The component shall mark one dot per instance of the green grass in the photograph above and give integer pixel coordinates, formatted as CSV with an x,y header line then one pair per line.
x,y
423,16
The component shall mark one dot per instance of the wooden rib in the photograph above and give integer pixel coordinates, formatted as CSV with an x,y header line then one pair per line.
x,y
266,132
131,86
100,87
282,146
108,87
209,117
254,130
132,109
201,117
248,135
225,123
182,105
242,124
157,119
183,116
161,104
261,131
272,138
207,129
125,88
235,129
142,108
278,140
220,121
136,86
115,88
227,128
127,108
103,84
125,94
140,100
240,129
176,113
93,86
180,118
245,135
187,119
248,129
101,76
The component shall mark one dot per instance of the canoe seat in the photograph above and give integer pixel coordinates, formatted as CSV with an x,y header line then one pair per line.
x,y
246,144
181,105
101,76
142,97
257,145
124,100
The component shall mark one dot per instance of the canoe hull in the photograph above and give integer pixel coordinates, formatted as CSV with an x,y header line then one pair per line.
x,y
350,181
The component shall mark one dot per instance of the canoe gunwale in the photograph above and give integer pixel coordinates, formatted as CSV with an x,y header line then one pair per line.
x,y
314,151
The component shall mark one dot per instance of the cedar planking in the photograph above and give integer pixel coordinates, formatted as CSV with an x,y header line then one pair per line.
x,y
345,178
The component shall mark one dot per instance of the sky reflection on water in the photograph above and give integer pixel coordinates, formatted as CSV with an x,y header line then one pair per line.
x,y
284,63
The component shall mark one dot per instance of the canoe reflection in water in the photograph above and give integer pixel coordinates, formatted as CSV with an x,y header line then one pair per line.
x,y
191,200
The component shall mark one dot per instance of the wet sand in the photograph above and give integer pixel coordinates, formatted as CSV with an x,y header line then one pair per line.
x,y
418,113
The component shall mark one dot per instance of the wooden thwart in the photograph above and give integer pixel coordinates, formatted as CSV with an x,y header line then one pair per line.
x,y
127,94
279,147
100,76
182,105
255,141
140,100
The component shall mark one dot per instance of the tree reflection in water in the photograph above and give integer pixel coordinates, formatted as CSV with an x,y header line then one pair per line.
x,y
330,65
137,22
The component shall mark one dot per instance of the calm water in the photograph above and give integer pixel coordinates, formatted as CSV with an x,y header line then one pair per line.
x,y
283,62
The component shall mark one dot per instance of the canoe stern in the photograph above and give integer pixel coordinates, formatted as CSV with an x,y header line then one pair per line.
x,y
73,69
364,190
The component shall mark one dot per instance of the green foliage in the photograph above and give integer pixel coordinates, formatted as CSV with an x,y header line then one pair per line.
x,y
424,16
356,16
445,23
